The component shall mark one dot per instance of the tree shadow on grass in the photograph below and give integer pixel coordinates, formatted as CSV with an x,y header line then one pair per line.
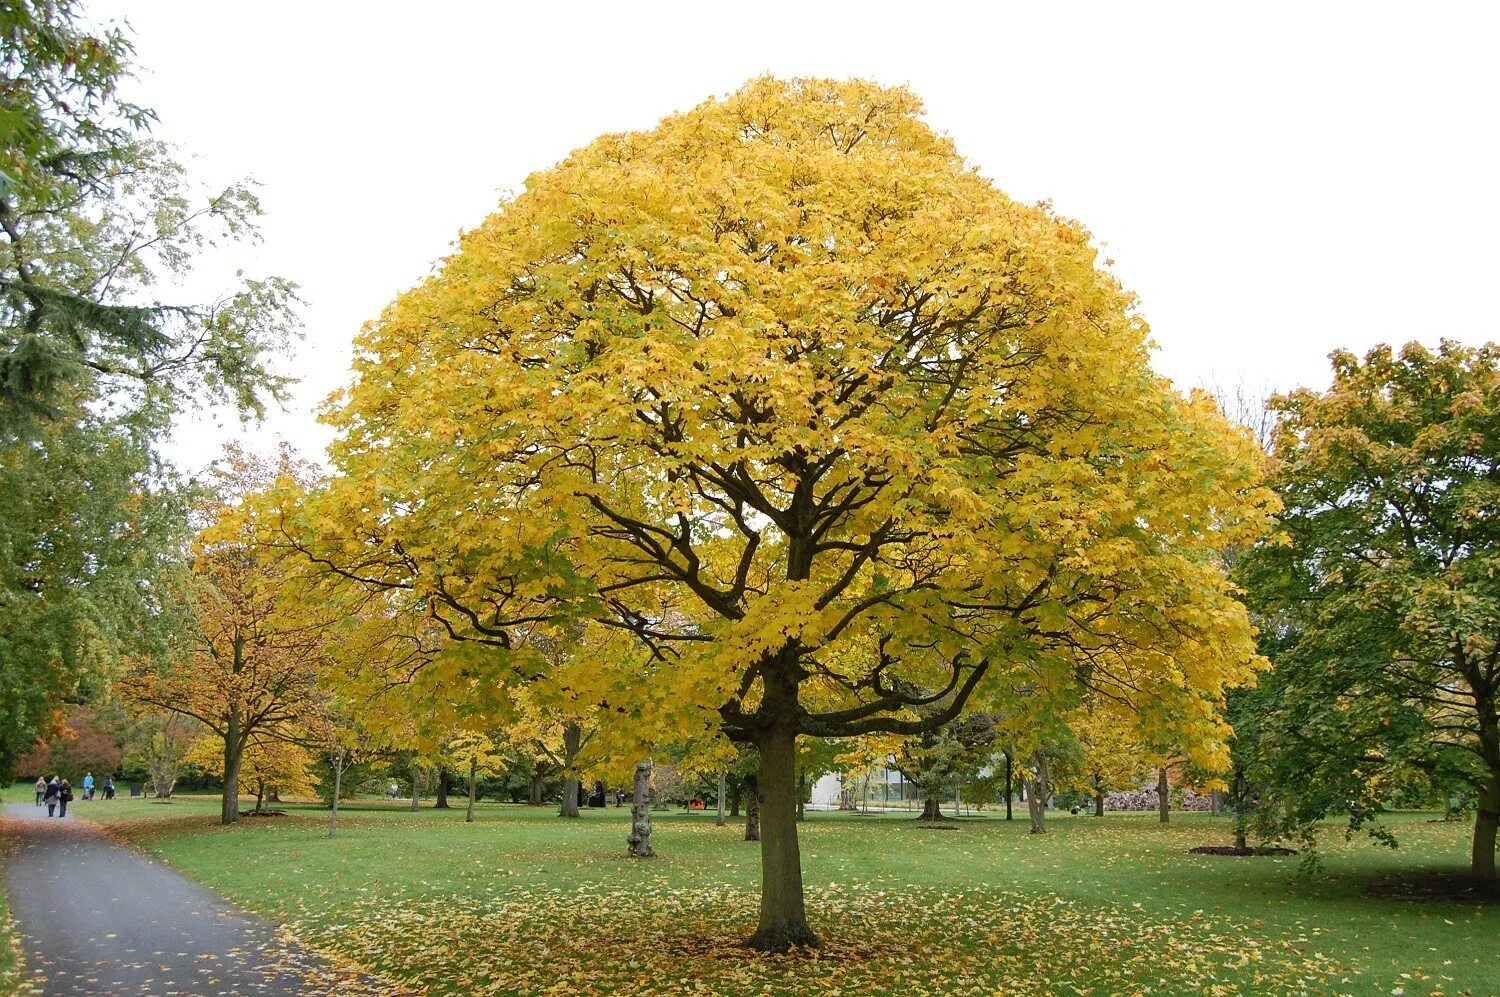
x,y
1434,886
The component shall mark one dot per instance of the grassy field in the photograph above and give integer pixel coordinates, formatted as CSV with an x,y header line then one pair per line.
x,y
10,952
520,901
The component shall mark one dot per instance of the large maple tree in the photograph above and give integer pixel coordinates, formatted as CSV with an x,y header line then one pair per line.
x,y
814,430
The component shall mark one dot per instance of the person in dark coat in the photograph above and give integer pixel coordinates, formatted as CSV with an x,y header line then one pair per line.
x,y
64,797
109,787
51,796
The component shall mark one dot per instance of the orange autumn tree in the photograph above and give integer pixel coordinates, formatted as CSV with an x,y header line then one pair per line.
x,y
247,669
836,433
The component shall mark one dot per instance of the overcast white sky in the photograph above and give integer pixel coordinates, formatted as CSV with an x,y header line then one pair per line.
x,y
1274,180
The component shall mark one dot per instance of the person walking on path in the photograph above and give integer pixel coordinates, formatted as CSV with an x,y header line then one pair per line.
x,y
88,785
51,796
64,797
41,789
109,787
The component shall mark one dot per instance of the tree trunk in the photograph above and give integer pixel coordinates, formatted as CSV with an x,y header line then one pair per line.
x,y
338,781
1216,802
234,749
1098,801
783,917
260,796
931,808
640,813
1009,792
719,819
537,784
752,810
736,797
1163,795
572,740
1036,796
416,789
1486,822
443,788
801,795
473,782
1237,801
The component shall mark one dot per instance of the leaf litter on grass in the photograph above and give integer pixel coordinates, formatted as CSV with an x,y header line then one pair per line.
x,y
605,940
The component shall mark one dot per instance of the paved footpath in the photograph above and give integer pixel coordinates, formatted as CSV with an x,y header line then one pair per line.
x,y
98,917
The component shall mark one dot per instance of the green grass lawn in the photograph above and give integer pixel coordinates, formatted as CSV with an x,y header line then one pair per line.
x,y
10,952
520,901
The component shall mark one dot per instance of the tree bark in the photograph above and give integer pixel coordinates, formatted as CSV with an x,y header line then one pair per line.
x,y
444,786
338,780
801,795
1237,801
1163,795
1486,823
473,782
736,797
1036,796
1009,792
572,740
640,813
719,818
931,808
416,788
1098,803
783,916
752,810
260,796
234,750
537,783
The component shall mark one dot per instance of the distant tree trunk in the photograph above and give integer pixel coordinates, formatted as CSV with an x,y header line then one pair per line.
x,y
260,796
1215,802
1163,795
444,786
338,785
931,806
473,782
719,818
1098,798
538,784
752,809
1009,791
572,741
1036,796
416,787
736,797
1241,811
640,812
801,795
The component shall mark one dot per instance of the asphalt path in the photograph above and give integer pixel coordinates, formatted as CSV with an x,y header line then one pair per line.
x,y
99,917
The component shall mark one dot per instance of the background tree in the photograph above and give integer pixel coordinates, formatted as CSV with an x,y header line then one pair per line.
x,y
476,755
1388,576
268,766
1109,755
248,670
835,430
934,760
94,218
157,748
